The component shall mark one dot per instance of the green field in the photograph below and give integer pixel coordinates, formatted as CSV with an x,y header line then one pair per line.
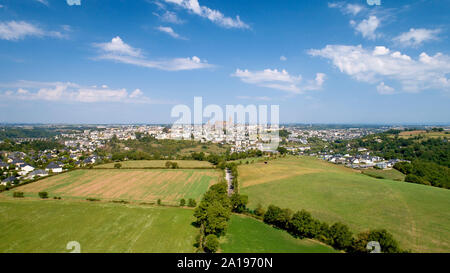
x,y
133,185
417,215
423,133
392,174
247,235
158,164
47,226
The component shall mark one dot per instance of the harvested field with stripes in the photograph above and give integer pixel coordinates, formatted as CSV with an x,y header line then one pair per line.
x,y
132,185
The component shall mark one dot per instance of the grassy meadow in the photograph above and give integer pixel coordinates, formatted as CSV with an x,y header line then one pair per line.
x,y
417,215
133,185
391,174
47,226
248,235
158,164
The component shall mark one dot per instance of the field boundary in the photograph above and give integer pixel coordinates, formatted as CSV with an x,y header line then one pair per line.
x,y
148,168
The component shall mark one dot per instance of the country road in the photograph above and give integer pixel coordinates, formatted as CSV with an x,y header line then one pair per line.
x,y
229,179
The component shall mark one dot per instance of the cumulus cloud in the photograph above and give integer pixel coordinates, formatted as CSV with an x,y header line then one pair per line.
x,y
119,51
367,27
117,46
17,30
73,2
70,92
416,37
280,80
169,31
376,65
214,16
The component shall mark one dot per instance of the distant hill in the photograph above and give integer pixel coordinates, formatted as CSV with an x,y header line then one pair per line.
x,y
417,215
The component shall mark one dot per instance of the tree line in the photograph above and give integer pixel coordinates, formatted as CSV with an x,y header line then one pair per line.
x,y
213,213
426,173
302,225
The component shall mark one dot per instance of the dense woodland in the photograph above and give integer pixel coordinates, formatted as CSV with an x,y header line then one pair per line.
x,y
36,145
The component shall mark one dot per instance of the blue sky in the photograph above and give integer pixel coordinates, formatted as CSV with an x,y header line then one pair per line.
x,y
118,61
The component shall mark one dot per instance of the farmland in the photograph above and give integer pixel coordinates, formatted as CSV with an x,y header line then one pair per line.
x,y
416,215
158,164
132,185
47,226
422,133
247,235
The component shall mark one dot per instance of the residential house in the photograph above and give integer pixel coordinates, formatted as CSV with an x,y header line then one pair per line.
x,y
24,169
10,179
54,168
39,173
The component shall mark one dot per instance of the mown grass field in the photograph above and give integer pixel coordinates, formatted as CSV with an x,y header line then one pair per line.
x,y
47,226
247,235
210,148
392,174
133,185
430,134
417,215
158,164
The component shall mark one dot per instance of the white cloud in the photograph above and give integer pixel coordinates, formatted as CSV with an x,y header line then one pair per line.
x,y
353,9
416,37
71,92
262,98
74,2
384,89
169,17
381,50
367,27
280,80
117,46
214,16
17,30
136,93
374,66
170,32
283,58
119,51
44,2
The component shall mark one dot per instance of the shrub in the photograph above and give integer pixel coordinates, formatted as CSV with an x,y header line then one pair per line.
x,y
341,237
92,199
18,194
303,225
211,243
158,202
192,203
168,164
412,178
182,203
259,211
43,194
239,202
277,216
387,242
117,165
